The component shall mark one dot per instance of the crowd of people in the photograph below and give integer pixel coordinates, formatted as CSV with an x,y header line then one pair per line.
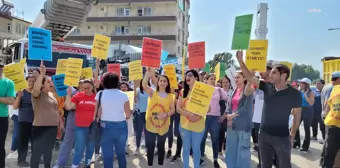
x,y
92,119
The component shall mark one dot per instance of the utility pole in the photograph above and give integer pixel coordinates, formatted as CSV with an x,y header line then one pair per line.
x,y
261,21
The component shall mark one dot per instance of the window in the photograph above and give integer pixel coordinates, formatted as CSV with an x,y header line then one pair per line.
x,y
101,27
179,35
9,27
23,29
139,30
179,50
102,9
140,11
76,32
88,27
123,12
122,30
143,30
147,11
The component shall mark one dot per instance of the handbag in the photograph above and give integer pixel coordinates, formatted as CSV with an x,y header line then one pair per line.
x,y
94,129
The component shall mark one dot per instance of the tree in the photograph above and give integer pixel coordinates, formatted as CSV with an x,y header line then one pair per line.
x,y
304,71
224,57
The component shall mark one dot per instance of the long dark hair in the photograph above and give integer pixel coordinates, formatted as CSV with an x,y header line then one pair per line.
x,y
94,90
141,89
126,84
168,88
226,78
186,87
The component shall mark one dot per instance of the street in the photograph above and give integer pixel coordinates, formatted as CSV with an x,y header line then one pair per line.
x,y
308,159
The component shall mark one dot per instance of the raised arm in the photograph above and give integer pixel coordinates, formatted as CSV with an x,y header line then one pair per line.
x,y
16,103
96,74
249,90
38,82
311,98
247,74
69,105
146,79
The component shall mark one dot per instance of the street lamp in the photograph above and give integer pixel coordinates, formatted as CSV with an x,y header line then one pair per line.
x,y
331,29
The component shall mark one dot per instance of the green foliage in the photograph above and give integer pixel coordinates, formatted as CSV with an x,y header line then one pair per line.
x,y
304,71
225,58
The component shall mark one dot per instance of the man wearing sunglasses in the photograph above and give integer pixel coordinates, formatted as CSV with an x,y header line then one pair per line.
x,y
7,97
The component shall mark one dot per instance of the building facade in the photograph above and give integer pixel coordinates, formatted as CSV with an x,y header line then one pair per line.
x,y
128,21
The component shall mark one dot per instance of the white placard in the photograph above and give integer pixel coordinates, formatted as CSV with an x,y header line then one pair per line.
x,y
258,107
231,73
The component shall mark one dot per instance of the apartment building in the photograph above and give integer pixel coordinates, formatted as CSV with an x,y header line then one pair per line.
x,y
128,21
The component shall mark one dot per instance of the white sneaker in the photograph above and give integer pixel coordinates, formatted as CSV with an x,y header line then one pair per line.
x,y
137,152
142,143
56,166
221,156
13,155
74,166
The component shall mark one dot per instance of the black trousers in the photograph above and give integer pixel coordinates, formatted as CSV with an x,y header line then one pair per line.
x,y
255,133
25,134
3,135
222,137
307,117
150,139
43,139
317,120
331,147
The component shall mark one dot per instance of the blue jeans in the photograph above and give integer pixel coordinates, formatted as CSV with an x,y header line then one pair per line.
x,y
191,140
114,134
140,126
238,149
213,127
68,142
81,134
14,145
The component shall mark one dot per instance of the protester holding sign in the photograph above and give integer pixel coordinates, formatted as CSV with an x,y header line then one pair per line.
x,y
36,73
239,116
212,124
84,103
160,108
191,125
23,102
61,103
46,119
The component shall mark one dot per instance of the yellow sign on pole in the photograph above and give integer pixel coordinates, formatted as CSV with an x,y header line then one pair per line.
x,y
256,55
290,66
61,66
15,73
200,98
218,71
87,73
100,47
22,63
170,72
135,70
73,71
131,97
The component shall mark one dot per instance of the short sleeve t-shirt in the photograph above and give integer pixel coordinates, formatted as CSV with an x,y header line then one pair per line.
x,y
277,107
6,90
45,108
85,108
112,104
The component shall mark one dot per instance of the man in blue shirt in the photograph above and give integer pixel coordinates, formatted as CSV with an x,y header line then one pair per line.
x,y
7,97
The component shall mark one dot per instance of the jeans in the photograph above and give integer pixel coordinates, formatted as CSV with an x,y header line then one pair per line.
x,y
270,145
213,127
82,142
171,133
3,135
68,142
15,139
191,140
238,149
150,139
140,127
307,118
43,139
114,134
331,147
25,135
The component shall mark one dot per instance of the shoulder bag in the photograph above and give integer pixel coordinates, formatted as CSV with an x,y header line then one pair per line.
x,y
94,130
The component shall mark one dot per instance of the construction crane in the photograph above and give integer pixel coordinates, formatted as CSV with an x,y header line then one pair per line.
x,y
63,16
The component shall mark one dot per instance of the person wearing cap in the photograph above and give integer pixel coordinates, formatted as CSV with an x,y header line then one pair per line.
x,y
331,153
295,85
307,113
7,97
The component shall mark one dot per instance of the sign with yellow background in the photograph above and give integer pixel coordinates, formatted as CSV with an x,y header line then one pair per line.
x,y
100,47
170,72
256,55
131,96
73,71
290,66
23,63
87,73
61,66
200,98
197,125
218,71
135,70
333,117
15,73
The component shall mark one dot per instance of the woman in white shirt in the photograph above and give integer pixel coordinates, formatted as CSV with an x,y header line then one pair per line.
x,y
114,110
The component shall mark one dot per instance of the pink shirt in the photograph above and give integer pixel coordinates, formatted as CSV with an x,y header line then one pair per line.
x,y
235,99
214,108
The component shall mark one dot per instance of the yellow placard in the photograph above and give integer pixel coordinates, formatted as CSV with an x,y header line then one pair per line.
x,y
200,98
73,71
290,66
170,72
135,70
87,73
217,72
256,55
15,73
22,63
100,47
61,66
131,97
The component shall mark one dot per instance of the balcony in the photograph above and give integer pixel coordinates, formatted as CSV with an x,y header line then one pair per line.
x,y
105,17
138,1
128,36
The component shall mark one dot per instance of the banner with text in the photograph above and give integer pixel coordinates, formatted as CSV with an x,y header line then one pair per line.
x,y
61,66
196,55
114,68
58,82
151,52
256,55
16,74
135,70
73,71
86,73
242,30
100,47
39,44
200,98
170,72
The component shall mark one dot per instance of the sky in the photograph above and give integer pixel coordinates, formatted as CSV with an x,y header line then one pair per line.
x,y
295,34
